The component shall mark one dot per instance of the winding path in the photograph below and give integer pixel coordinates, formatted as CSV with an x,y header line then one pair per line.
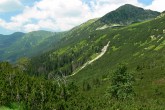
x,y
103,51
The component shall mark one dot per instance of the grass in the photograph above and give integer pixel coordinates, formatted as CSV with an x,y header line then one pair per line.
x,y
12,106
149,81
160,46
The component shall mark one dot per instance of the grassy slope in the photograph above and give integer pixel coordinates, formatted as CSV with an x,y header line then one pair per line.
x,y
74,49
69,45
78,33
140,44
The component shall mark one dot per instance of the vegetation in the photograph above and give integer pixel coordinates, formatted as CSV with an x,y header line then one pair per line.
x,y
121,84
32,93
42,82
124,15
34,43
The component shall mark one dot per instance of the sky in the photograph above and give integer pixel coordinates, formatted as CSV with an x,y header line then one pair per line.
x,y
59,15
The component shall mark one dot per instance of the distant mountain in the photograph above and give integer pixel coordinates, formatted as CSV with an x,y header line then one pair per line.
x,y
39,42
6,40
125,15
19,45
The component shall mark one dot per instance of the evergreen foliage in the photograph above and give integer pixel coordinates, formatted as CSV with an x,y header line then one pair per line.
x,y
122,83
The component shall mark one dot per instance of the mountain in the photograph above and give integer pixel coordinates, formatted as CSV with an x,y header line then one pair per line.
x,y
89,43
85,40
125,15
82,72
19,45
6,40
39,42
79,32
141,46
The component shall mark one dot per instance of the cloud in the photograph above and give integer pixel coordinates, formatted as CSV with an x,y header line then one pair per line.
x,y
157,5
10,5
101,7
56,15
61,15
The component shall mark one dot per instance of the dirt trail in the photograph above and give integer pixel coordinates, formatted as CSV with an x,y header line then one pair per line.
x,y
103,51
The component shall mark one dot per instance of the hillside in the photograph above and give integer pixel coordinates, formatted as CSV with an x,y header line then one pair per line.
x,y
38,42
8,39
142,47
27,45
128,74
82,43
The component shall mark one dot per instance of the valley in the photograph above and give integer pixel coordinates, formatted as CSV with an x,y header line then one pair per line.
x,y
116,62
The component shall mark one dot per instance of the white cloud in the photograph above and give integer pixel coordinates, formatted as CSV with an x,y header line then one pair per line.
x,y
10,5
60,15
57,15
157,5
101,7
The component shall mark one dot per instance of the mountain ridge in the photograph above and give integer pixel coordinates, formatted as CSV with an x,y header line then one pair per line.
x,y
29,44
125,15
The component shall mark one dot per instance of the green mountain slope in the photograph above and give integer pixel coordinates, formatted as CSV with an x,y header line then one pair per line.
x,y
78,33
39,42
6,40
81,44
141,46
42,83
125,15
29,44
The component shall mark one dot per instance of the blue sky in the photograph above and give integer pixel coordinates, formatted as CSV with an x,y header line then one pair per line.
x,y
146,2
59,15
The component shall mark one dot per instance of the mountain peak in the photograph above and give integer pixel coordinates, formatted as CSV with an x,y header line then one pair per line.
x,y
129,7
127,14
